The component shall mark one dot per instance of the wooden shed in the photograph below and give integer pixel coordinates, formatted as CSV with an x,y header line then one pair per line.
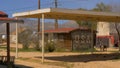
x,y
70,38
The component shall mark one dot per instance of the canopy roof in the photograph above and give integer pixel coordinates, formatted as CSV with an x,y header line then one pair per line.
x,y
10,20
70,14
4,18
2,14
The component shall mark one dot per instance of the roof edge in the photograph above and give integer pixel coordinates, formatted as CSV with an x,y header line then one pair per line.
x,y
38,11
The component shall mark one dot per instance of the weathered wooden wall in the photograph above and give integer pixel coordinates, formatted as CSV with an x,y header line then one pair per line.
x,y
82,39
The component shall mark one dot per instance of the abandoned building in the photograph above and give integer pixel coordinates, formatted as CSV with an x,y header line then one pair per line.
x,y
71,38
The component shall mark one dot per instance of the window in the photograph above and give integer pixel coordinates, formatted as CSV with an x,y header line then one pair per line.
x,y
61,38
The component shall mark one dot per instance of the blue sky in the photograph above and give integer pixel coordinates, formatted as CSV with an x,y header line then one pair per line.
x,y
12,6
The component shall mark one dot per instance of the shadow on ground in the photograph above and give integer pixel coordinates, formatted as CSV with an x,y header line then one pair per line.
x,y
85,57
16,66
22,66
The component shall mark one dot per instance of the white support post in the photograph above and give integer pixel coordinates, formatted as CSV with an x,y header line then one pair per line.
x,y
42,38
16,40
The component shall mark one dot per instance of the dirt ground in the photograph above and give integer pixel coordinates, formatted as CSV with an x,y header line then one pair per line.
x,y
67,60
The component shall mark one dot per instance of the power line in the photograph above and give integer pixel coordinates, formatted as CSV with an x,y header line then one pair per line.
x,y
29,7
71,2
20,8
61,2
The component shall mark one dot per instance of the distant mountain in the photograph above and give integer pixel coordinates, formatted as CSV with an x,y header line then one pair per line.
x,y
32,24
70,24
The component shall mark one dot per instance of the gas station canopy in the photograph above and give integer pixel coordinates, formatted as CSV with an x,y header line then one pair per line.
x,y
70,14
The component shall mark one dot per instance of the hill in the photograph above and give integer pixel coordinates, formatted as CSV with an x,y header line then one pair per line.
x,y
32,24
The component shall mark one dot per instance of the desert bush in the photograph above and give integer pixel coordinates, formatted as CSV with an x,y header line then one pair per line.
x,y
35,42
25,38
50,46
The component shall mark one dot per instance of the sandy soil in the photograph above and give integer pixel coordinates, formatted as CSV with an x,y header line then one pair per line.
x,y
67,60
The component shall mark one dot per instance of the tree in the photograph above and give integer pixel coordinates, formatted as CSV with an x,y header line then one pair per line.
x,y
109,8
115,8
25,38
105,8
99,7
102,7
87,24
36,42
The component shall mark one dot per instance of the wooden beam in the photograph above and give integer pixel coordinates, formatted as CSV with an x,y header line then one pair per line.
x,y
8,44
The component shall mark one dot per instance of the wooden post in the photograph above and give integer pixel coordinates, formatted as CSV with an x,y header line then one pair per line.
x,y
8,44
16,40
92,46
42,38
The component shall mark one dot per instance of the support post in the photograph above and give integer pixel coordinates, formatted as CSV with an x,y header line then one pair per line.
x,y
42,38
8,44
16,40
92,46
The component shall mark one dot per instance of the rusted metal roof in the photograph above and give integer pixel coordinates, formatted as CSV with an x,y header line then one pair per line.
x,y
105,36
64,30
9,20
3,14
59,30
4,18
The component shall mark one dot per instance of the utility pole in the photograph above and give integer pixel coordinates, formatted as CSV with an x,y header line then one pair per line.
x,y
38,18
38,46
56,21
56,3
